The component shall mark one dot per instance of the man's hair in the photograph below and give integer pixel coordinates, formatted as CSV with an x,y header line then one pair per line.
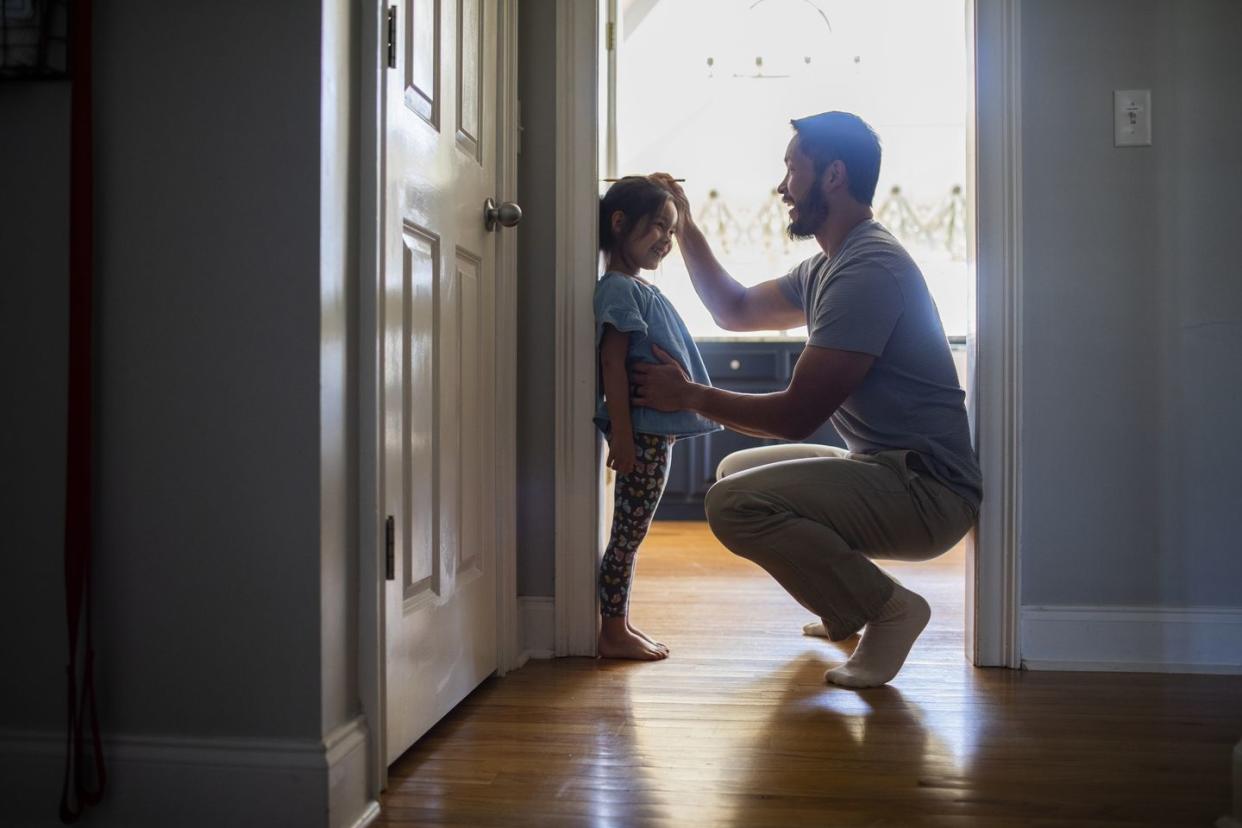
x,y
844,137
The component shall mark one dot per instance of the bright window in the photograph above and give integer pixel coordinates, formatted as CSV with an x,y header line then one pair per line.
x,y
706,89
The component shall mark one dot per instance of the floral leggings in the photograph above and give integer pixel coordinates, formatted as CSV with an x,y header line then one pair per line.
x,y
636,497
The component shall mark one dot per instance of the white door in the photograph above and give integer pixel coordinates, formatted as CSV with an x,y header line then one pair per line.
x,y
437,318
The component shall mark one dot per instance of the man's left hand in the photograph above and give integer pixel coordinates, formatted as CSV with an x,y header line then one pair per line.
x,y
664,387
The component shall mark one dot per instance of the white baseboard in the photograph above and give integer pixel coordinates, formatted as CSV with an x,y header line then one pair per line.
x,y
168,780
1133,639
538,619
345,755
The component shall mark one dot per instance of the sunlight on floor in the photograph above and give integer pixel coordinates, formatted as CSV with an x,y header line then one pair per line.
x,y
737,728
687,593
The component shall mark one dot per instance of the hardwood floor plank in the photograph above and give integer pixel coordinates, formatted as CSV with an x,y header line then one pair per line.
x,y
737,728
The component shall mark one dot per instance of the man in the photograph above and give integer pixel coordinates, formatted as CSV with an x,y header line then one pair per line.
x,y
878,364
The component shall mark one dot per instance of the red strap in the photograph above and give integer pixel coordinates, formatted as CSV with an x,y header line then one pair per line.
x,y
78,469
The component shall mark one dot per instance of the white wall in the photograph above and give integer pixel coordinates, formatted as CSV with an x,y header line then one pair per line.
x,y
224,566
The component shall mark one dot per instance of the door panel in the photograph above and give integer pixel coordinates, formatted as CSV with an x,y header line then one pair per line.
x,y
418,549
470,67
437,362
422,59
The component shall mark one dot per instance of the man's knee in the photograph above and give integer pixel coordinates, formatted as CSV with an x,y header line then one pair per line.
x,y
728,465
727,514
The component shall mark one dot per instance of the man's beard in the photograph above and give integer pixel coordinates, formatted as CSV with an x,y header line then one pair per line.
x,y
811,214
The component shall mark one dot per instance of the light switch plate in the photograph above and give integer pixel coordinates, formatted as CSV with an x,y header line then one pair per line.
x,y
1132,118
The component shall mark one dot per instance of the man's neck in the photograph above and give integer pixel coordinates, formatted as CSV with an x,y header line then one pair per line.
x,y
841,220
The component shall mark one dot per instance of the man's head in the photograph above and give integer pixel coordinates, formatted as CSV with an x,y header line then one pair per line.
x,y
832,156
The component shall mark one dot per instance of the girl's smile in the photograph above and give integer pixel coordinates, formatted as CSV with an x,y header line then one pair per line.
x,y
649,243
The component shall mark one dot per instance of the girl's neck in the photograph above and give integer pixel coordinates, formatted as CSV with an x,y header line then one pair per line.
x,y
615,265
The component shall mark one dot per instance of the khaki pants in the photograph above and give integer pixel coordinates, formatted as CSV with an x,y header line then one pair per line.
x,y
815,516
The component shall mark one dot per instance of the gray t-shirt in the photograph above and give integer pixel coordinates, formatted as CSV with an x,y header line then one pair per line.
x,y
871,297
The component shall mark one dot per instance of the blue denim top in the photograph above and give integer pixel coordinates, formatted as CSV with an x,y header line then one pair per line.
x,y
629,305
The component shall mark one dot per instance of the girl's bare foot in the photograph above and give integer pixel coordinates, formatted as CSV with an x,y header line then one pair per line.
x,y
659,645
616,641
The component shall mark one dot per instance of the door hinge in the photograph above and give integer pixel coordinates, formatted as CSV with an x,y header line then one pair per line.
x,y
390,549
610,38
392,37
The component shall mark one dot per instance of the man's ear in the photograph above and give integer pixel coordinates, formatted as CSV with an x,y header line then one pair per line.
x,y
836,177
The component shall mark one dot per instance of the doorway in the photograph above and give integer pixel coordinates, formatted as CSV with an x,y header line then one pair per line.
x,y
991,618
735,73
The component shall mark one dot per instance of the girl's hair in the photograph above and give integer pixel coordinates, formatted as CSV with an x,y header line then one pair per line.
x,y
636,196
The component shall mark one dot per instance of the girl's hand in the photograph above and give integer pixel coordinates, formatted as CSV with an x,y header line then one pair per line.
x,y
621,457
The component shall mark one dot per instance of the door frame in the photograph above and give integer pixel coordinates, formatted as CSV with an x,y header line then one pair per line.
x,y
994,348
992,636
578,490
371,240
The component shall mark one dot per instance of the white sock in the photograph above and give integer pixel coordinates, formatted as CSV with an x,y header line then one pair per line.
x,y
816,629
886,642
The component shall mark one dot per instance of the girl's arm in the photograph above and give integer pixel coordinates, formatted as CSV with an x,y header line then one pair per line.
x,y
613,348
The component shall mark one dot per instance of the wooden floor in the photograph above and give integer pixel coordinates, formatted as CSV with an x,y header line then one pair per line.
x,y
738,729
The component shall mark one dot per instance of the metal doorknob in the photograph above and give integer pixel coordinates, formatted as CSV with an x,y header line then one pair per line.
x,y
506,215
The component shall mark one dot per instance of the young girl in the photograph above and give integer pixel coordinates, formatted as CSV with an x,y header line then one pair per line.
x,y
636,221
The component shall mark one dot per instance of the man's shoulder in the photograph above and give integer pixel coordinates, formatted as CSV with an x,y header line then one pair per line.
x,y
811,267
874,250
875,242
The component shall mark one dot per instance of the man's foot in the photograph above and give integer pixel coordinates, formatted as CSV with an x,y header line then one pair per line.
x,y
886,642
815,629
616,641
659,645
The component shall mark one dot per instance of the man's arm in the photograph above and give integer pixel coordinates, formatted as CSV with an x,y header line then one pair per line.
x,y
822,379
763,307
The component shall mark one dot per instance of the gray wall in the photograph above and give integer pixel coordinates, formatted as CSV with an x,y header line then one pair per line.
x,y
1200,184
34,261
1131,306
537,299
223,517
1089,308
208,321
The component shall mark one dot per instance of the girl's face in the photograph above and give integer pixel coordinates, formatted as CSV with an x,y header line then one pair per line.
x,y
650,240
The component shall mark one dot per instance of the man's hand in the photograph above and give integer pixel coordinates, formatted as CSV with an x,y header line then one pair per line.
x,y
679,199
664,387
621,452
